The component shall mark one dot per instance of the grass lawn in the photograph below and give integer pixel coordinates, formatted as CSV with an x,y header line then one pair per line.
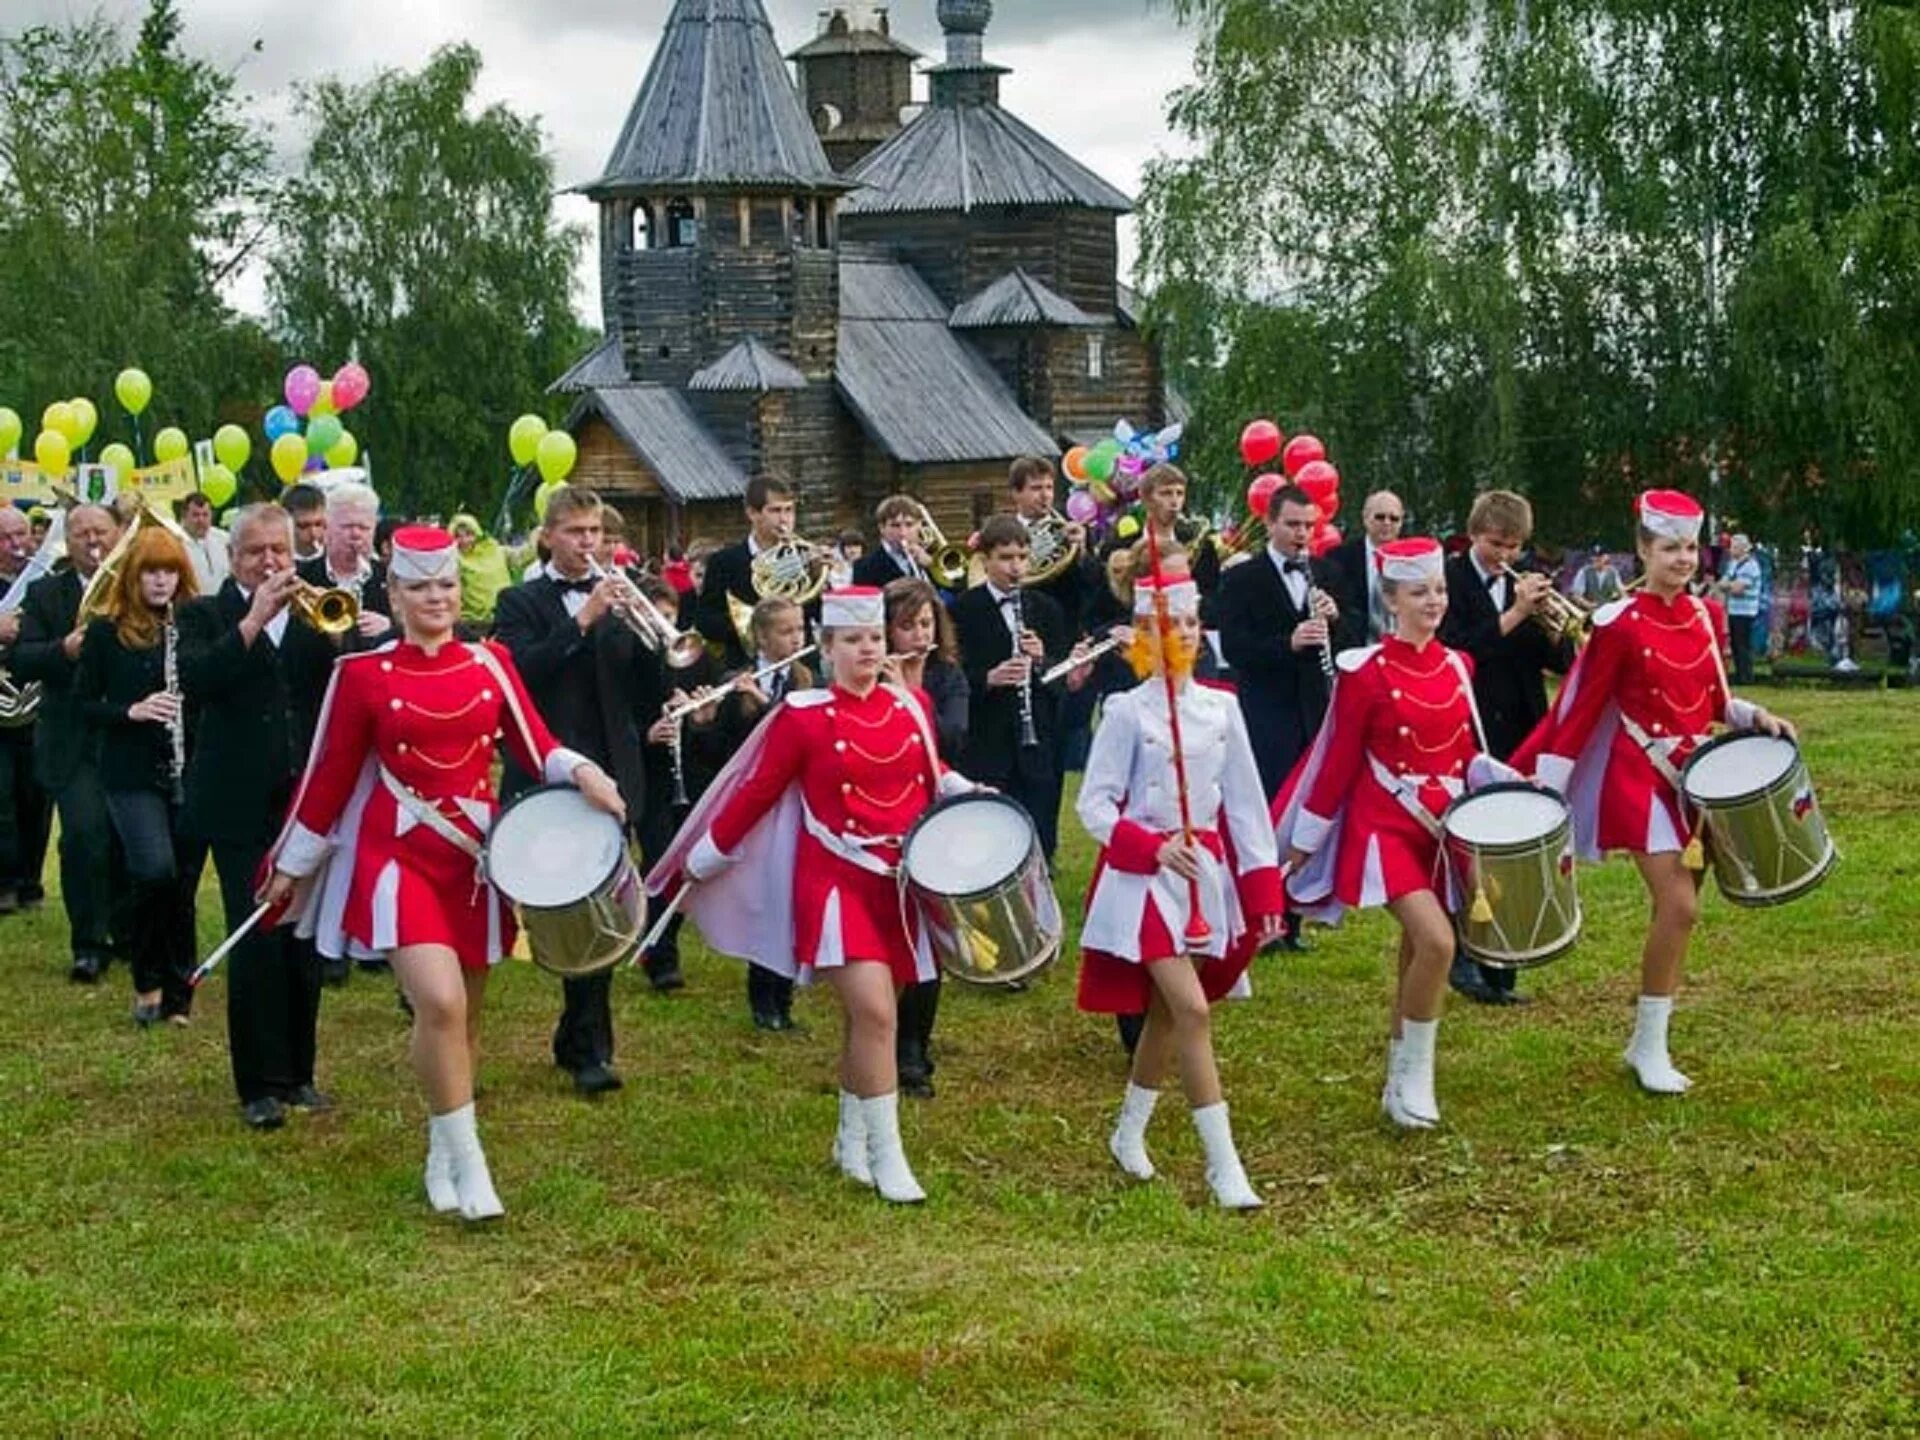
x,y
1565,1256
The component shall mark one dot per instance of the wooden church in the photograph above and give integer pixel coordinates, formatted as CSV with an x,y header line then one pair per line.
x,y
822,281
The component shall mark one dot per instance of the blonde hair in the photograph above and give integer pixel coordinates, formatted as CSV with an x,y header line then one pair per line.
x,y
1501,512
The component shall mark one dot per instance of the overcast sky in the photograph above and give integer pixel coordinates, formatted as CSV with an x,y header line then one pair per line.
x,y
1093,75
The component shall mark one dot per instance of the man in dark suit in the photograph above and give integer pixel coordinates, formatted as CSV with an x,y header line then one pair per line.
x,y
1007,638
1491,615
66,748
595,685
348,563
899,555
1355,573
256,677
771,514
25,811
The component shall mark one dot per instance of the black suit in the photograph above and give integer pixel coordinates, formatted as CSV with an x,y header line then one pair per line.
x,y
1352,587
1283,692
879,568
595,691
1509,680
372,595
729,572
25,810
995,756
66,752
256,706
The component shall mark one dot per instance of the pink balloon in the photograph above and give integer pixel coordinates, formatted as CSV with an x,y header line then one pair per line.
x,y
1082,507
1260,493
1260,442
350,385
302,388
1301,451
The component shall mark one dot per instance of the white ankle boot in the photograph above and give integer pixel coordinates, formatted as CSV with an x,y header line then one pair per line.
x,y
1231,1188
1128,1143
1647,1052
440,1192
472,1183
892,1176
850,1141
1409,1101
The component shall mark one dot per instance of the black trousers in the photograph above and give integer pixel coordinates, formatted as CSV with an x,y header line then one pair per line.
x,y
163,877
273,983
1740,632
584,1035
1037,787
92,871
913,1037
26,817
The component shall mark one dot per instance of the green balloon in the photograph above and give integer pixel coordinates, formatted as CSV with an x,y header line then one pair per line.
x,y
170,444
232,447
119,459
523,439
133,390
343,452
555,455
9,430
1099,465
218,485
323,433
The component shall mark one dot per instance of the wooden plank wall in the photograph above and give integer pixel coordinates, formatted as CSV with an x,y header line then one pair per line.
x,y
1075,252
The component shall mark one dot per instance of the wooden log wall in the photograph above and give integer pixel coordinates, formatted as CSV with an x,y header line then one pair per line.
x,y
1075,252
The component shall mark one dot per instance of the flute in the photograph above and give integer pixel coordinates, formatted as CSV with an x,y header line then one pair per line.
x,y
680,712
1067,666
1029,737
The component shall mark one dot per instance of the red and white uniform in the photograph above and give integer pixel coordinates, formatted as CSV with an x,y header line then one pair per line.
x,y
402,732
1366,801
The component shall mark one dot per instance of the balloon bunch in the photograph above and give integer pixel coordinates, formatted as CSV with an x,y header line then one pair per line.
x,y
323,443
1303,462
65,428
552,452
1106,477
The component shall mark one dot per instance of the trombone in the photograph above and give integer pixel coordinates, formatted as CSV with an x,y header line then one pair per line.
x,y
946,563
681,649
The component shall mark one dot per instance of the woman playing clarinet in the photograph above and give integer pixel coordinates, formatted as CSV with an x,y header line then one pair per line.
x,y
1360,817
1644,694
391,817
824,793
1187,886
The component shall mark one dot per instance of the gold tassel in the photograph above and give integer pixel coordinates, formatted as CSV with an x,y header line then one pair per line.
x,y
1694,857
1482,911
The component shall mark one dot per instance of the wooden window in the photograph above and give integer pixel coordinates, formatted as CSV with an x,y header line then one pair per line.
x,y
683,226
1096,357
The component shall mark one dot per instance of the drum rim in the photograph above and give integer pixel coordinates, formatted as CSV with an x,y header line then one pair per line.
x,y
621,857
1722,742
953,802
1785,894
1506,847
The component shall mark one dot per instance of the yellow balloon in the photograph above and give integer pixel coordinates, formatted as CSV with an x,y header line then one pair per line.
x,y
218,485
10,428
323,402
86,419
343,452
232,447
540,498
119,459
170,444
132,389
59,418
555,455
53,452
289,457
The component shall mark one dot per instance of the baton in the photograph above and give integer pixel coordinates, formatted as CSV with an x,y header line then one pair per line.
x,y
206,966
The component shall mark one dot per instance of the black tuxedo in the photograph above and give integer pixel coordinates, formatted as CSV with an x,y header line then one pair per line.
x,y
596,691
256,707
1351,586
879,569
1509,683
1283,692
729,572
995,756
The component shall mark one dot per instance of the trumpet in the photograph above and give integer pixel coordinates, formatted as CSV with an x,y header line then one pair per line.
x,y
947,563
1561,616
331,612
679,713
679,648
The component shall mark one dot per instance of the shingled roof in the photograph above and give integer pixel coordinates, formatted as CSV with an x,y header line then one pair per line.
x,y
602,365
973,157
717,111
1017,299
657,424
924,397
750,367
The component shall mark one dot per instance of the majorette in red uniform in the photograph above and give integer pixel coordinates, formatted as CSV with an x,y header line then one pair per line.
x,y
1645,692
1136,957
389,821
1361,814
794,851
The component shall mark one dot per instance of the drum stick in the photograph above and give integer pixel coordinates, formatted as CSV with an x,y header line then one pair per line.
x,y
206,966
660,925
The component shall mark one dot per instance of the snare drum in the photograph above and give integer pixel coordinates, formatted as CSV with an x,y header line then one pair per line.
x,y
1509,848
565,866
972,869
1764,827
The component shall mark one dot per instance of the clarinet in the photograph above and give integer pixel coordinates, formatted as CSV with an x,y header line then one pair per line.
x,y
1029,737
177,726
680,800
1326,646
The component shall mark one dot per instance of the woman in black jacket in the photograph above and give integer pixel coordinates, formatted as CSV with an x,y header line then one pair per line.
x,y
129,690
920,636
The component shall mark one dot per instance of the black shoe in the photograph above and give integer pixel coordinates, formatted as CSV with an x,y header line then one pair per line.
x,y
664,974
1464,977
1511,997
1294,944
266,1113
916,1084
145,1015
305,1097
373,967
334,973
771,1020
87,969
9,901
596,1080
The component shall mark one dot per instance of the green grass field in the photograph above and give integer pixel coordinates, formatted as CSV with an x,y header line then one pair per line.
x,y
1566,1256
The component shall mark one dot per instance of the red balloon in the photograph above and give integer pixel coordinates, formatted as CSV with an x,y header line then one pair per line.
x,y
1301,451
1260,442
1329,506
1317,478
1260,493
1324,539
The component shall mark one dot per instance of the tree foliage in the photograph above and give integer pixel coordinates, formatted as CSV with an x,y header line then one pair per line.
x,y
1574,247
420,238
134,185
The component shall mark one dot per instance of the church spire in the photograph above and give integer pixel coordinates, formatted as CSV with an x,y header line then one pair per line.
x,y
966,78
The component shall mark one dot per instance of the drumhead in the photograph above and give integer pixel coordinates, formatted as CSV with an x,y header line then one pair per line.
x,y
968,845
1736,766
550,848
1506,815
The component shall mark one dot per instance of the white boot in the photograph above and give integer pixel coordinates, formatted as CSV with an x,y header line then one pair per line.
x,y
440,1192
850,1141
1647,1051
1231,1189
471,1180
1128,1143
1409,1101
892,1176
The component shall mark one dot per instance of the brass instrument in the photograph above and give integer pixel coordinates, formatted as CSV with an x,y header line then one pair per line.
x,y
791,569
20,702
1051,549
94,596
331,612
1561,616
679,648
946,563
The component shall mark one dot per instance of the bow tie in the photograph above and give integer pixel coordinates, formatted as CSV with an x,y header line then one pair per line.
x,y
1494,579
1294,567
577,587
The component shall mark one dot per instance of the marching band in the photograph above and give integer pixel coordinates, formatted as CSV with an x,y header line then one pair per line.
x,y
859,783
